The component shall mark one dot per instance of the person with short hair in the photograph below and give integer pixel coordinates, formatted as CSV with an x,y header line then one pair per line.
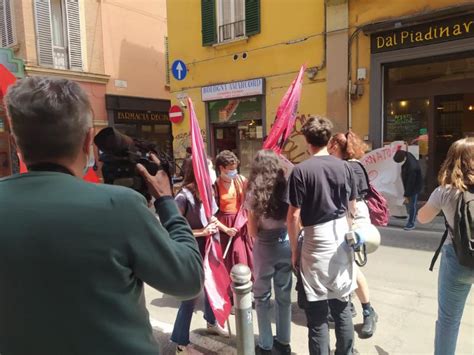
x,y
230,191
74,256
454,280
412,180
321,192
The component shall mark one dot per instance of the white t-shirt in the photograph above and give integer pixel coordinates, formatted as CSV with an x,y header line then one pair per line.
x,y
445,199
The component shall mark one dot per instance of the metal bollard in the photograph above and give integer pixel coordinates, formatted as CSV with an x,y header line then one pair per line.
x,y
242,287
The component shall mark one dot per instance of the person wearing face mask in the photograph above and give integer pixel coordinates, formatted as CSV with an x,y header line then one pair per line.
x,y
83,250
230,189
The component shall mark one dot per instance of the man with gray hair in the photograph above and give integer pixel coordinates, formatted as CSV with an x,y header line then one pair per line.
x,y
74,255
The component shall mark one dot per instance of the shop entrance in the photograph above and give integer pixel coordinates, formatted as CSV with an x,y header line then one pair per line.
x,y
237,125
429,104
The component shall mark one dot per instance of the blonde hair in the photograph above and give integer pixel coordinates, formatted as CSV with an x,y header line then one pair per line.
x,y
458,168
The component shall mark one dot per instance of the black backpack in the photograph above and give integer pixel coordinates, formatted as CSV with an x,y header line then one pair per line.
x,y
462,231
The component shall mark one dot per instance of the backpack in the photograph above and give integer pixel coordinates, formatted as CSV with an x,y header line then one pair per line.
x,y
377,204
462,231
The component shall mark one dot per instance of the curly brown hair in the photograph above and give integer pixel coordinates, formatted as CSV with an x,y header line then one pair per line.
x,y
458,168
317,131
352,146
189,180
267,186
226,158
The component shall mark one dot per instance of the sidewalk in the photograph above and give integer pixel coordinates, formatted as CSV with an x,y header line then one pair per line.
x,y
437,225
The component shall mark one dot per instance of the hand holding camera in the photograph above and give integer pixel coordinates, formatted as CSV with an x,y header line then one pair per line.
x,y
158,184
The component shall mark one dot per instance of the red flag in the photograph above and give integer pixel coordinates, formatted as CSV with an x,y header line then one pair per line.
x,y
286,115
216,277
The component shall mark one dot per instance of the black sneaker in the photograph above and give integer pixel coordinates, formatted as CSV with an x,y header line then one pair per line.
x,y
370,323
260,351
281,348
353,311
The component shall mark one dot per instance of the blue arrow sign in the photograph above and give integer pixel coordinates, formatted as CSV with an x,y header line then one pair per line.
x,y
179,69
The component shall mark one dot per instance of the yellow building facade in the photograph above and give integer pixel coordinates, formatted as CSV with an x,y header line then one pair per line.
x,y
390,71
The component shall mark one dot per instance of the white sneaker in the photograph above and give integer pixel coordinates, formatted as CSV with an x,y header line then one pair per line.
x,y
181,350
216,329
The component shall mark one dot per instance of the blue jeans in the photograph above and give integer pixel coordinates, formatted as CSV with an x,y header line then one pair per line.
x,y
454,284
182,324
412,209
272,260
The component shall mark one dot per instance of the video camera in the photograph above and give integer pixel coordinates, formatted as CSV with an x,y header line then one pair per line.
x,y
120,154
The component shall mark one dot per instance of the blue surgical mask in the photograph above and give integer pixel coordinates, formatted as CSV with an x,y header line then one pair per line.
x,y
232,174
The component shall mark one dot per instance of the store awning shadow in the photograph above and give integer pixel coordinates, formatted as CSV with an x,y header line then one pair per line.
x,y
417,239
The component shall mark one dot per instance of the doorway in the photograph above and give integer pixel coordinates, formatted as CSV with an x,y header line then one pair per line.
x,y
429,104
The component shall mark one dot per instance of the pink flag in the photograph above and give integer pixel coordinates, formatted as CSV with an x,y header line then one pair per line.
x,y
285,116
216,277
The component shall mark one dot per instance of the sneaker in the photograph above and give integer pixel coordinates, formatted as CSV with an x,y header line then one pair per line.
x,y
409,227
353,311
181,350
370,323
216,329
281,348
260,351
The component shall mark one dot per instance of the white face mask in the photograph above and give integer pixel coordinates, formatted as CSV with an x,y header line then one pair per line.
x,y
90,161
213,175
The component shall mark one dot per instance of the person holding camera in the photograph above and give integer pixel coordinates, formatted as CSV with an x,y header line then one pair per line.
x,y
74,256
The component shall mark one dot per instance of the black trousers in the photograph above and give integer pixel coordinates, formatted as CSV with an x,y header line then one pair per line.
x,y
318,327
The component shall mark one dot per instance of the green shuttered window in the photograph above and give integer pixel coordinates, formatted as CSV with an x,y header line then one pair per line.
x,y
209,31
221,21
252,17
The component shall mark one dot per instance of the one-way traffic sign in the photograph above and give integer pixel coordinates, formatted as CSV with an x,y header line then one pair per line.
x,y
179,69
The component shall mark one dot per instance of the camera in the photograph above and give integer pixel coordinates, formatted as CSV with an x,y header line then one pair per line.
x,y
120,154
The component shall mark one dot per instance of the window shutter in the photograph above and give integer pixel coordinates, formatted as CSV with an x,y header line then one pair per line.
x,y
209,31
44,37
252,17
167,62
7,27
73,24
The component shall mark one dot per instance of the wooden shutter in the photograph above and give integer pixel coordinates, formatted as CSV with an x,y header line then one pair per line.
x,y
252,17
44,39
167,61
209,31
7,27
73,25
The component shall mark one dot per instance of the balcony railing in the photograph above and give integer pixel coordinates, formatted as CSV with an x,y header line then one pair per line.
x,y
231,31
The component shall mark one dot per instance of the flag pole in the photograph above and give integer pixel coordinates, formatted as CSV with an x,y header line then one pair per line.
x,y
231,239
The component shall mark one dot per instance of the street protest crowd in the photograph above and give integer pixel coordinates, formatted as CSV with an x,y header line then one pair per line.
x,y
69,247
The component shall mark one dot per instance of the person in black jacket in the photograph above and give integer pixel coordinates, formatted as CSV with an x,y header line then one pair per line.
x,y
412,183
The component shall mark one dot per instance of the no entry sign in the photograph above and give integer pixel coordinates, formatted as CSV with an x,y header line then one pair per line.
x,y
176,114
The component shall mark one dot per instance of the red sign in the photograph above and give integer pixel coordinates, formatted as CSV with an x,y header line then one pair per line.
x,y
176,114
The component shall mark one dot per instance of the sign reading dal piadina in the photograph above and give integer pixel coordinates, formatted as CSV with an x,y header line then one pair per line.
x,y
140,116
231,90
424,34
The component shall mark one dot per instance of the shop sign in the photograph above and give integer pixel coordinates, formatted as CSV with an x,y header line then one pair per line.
x,y
424,34
231,90
139,116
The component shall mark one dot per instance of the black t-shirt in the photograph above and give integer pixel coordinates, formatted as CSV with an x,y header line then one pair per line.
x,y
360,178
321,186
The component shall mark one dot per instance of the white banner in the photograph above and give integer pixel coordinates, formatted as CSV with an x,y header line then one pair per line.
x,y
385,176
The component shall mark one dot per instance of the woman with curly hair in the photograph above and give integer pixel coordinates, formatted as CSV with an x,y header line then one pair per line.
x,y
230,189
348,146
454,280
267,209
